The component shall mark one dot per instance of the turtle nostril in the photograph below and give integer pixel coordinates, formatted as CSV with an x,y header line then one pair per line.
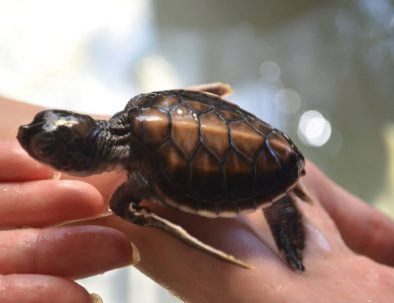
x,y
23,136
26,133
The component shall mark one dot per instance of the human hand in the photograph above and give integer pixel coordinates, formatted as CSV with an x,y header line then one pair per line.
x,y
38,264
345,240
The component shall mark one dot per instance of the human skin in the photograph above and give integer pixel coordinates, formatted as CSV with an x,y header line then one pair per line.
x,y
348,256
38,264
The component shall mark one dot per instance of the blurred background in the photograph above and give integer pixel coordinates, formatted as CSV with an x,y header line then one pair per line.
x,y
322,71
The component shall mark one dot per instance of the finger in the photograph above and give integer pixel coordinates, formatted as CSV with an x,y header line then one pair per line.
x,y
40,289
73,251
44,202
171,262
16,165
363,228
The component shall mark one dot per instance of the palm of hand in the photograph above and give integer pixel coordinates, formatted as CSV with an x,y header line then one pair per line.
x,y
338,227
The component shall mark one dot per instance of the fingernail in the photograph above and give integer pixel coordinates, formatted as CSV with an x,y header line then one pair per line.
x,y
95,298
135,254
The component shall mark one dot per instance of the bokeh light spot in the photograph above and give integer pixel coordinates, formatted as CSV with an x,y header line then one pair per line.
x,y
314,129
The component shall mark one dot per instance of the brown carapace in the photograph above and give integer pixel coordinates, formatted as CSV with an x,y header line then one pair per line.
x,y
188,149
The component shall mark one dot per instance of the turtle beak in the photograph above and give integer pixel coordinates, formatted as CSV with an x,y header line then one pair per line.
x,y
26,133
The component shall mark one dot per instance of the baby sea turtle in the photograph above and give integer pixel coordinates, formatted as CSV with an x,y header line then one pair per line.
x,y
189,149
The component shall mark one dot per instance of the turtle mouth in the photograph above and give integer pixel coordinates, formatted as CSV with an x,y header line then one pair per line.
x,y
38,137
28,133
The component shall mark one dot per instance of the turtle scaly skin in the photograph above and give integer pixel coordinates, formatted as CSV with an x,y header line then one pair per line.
x,y
187,149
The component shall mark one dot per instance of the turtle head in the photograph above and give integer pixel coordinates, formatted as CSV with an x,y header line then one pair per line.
x,y
63,139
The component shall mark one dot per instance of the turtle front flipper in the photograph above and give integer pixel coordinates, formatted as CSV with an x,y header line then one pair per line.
x,y
286,226
217,88
125,203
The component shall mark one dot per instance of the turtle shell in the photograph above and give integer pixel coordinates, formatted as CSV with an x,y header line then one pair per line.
x,y
204,154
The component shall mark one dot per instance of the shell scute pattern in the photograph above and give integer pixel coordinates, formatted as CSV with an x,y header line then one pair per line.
x,y
249,141
184,130
209,149
174,166
215,135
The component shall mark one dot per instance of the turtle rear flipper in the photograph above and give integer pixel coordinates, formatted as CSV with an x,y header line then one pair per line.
x,y
217,88
285,222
